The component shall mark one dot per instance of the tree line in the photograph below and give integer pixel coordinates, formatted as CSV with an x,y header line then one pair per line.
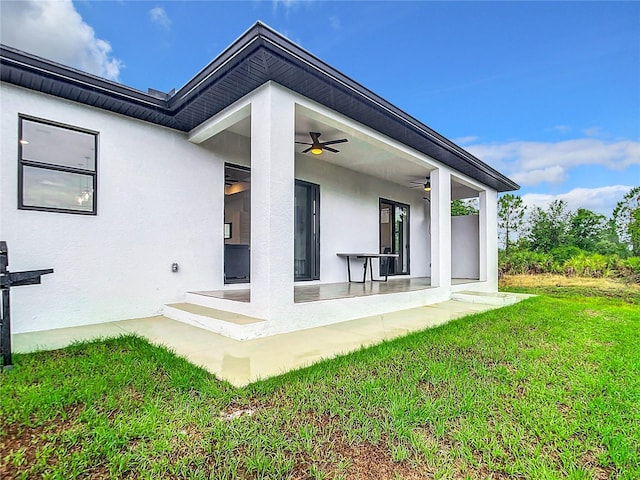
x,y
581,242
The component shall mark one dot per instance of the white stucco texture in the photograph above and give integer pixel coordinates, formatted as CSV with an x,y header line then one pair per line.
x,y
158,203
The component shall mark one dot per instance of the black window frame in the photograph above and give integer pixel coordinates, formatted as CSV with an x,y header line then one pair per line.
x,y
54,167
395,205
234,254
313,198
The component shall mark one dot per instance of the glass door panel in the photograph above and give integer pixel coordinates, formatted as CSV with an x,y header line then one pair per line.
x,y
237,224
386,237
306,237
394,237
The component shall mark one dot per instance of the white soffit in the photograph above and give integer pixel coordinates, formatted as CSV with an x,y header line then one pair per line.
x,y
223,121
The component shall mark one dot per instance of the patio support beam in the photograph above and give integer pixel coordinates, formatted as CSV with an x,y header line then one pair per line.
x,y
488,238
272,196
441,228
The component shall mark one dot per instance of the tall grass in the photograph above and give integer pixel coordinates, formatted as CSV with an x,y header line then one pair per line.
x,y
572,262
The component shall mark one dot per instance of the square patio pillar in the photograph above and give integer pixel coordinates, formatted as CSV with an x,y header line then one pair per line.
x,y
441,228
272,197
489,237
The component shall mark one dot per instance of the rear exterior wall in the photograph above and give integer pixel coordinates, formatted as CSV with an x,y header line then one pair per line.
x,y
158,203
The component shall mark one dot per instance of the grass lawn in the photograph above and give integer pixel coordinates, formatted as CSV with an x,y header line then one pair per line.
x,y
546,388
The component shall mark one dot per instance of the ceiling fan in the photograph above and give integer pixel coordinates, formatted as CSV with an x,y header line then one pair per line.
x,y
425,185
317,146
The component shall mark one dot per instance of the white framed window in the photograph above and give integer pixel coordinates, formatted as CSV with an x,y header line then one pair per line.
x,y
57,167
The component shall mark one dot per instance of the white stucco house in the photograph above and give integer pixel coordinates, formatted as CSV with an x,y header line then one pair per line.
x,y
200,204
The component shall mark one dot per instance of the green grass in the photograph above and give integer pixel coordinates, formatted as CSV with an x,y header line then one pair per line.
x,y
548,388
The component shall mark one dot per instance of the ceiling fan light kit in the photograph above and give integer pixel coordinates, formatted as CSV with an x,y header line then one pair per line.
x,y
317,147
423,184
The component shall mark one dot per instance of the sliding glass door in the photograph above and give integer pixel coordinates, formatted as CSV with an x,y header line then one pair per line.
x,y
307,231
237,227
394,236
237,224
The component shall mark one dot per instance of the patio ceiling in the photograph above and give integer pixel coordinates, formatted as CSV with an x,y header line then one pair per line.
x,y
362,153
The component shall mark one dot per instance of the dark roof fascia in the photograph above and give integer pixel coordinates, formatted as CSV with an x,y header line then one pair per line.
x,y
54,70
249,42
257,39
21,68
262,36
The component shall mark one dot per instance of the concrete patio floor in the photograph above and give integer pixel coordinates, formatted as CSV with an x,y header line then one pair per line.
x,y
242,362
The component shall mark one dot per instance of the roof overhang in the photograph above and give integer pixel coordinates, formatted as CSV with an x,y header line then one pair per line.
x,y
260,55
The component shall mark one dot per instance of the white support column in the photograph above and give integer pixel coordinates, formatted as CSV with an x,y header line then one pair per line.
x,y
441,228
489,238
482,234
272,194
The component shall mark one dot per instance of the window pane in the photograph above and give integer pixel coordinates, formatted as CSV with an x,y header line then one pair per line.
x,y
58,146
54,189
237,217
306,237
394,236
302,233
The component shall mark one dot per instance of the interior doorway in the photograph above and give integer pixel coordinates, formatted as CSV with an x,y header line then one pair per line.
x,y
394,237
237,224
306,236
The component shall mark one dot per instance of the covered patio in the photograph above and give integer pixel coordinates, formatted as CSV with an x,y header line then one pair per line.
x,y
289,216
335,291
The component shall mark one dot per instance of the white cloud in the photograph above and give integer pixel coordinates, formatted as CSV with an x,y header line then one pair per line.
x,y
56,31
287,4
592,132
335,23
602,199
465,140
561,128
290,5
536,162
553,174
159,16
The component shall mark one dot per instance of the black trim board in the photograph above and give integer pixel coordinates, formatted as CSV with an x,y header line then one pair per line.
x,y
260,55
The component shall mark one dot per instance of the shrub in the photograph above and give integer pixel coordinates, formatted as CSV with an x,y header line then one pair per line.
x,y
585,265
523,262
629,269
565,252
526,262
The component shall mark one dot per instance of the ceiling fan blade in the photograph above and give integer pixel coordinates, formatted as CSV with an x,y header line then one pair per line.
x,y
314,136
421,182
331,142
308,149
304,143
329,149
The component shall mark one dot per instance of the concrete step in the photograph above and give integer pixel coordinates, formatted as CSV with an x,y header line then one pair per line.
x,y
229,324
485,298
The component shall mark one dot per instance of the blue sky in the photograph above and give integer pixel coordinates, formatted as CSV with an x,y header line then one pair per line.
x,y
546,92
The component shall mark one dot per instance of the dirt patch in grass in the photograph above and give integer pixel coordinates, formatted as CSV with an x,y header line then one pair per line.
x,y
367,461
17,449
20,445
590,461
336,457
